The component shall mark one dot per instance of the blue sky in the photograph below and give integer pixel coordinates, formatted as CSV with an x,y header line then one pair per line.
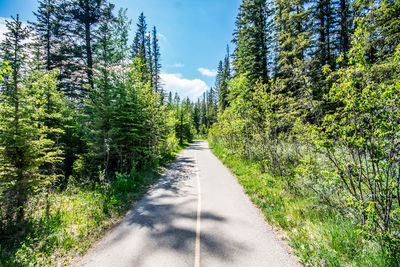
x,y
193,35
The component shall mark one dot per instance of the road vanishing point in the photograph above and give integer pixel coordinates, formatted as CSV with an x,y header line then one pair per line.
x,y
195,215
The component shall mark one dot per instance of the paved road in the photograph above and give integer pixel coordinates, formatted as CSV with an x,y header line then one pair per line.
x,y
196,215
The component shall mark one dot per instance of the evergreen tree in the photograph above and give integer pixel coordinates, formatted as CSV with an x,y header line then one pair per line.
x,y
345,21
324,47
183,121
222,79
14,52
156,63
127,123
219,86
226,76
46,27
140,47
212,106
250,37
121,32
196,116
325,24
25,111
170,100
203,115
387,21
294,41
99,105
65,51
383,19
149,58
86,14
139,42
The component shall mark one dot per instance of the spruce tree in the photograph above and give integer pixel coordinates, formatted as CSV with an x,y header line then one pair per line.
x,y
121,34
156,63
325,24
139,42
250,37
196,116
99,102
86,14
65,53
140,46
45,28
222,79
324,48
149,59
345,21
14,52
27,106
294,39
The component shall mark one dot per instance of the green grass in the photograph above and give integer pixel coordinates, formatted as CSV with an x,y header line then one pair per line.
x,y
318,234
65,224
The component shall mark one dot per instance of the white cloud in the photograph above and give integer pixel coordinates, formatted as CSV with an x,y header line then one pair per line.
x,y
207,72
174,82
161,36
3,28
177,65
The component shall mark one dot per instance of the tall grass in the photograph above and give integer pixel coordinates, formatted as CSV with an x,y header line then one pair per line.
x,y
320,235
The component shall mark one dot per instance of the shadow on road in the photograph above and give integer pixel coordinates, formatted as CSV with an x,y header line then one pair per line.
x,y
169,212
197,145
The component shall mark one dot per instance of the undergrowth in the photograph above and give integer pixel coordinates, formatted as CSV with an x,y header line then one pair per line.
x,y
320,235
64,224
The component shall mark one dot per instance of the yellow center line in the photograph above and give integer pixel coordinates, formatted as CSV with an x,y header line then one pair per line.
x,y
197,248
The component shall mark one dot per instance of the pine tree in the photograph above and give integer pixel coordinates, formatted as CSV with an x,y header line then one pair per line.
x,y
387,21
127,129
212,106
99,102
149,60
345,22
196,116
65,53
294,41
250,37
183,121
324,48
203,115
383,20
86,14
14,52
121,33
170,100
324,14
218,83
26,109
139,42
223,77
45,28
294,31
156,63
139,47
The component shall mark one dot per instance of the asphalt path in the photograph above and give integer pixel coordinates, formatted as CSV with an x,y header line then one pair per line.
x,y
195,215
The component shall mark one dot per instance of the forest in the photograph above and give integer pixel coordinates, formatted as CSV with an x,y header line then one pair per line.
x,y
304,111
84,124
308,119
